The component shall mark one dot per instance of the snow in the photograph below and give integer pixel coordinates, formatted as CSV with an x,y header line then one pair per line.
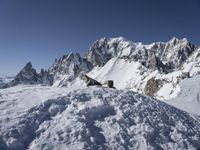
x,y
91,118
79,117
188,98
122,72
6,79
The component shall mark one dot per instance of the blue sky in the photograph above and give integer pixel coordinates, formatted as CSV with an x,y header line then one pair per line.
x,y
42,30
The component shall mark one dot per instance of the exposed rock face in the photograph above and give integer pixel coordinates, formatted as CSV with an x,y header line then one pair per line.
x,y
27,75
101,51
45,77
154,63
105,49
152,86
69,67
89,81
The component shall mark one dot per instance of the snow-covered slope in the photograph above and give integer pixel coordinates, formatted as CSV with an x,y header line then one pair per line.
x,y
189,97
92,118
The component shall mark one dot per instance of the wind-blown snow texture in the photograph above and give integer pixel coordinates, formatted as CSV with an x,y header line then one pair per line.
x,y
96,118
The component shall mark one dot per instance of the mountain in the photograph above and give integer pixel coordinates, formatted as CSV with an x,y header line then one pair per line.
x,y
69,115
152,69
68,68
28,75
92,118
155,69
169,55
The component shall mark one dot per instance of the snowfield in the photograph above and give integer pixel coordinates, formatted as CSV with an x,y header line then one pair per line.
x,y
42,117
188,98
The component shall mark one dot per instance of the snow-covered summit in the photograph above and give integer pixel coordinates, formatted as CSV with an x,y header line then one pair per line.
x,y
98,118
173,52
68,67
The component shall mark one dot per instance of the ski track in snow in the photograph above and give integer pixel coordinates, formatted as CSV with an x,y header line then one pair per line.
x,y
101,118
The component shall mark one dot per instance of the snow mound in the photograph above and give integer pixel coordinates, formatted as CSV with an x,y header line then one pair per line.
x,y
102,118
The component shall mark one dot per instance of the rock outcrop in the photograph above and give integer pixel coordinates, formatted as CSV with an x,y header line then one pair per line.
x,y
90,81
152,86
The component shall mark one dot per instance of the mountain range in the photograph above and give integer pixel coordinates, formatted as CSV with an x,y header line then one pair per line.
x,y
154,105
149,69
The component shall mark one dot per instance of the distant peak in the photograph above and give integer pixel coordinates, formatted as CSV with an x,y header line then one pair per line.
x,y
120,38
72,55
184,39
174,39
28,65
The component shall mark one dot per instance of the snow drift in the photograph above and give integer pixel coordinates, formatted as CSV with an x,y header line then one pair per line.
x,y
100,118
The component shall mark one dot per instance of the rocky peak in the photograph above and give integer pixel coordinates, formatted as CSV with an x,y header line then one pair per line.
x,y
174,41
27,75
70,65
173,52
28,66
177,51
106,48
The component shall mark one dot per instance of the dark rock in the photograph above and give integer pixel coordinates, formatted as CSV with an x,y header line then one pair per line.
x,y
89,81
152,86
28,75
45,77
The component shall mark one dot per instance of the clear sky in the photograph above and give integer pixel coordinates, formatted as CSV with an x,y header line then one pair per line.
x,y
42,30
